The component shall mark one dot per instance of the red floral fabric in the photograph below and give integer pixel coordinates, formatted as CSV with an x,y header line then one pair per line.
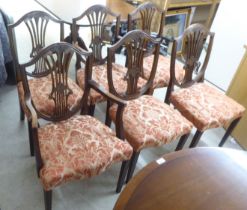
x,y
40,89
78,148
99,75
162,76
149,122
205,106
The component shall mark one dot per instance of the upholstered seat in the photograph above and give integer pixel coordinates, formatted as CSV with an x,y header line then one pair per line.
x,y
40,89
162,76
99,74
78,148
149,122
205,106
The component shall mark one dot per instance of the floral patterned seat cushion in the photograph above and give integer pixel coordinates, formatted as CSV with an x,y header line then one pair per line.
x,y
99,74
149,122
162,76
205,106
40,89
78,148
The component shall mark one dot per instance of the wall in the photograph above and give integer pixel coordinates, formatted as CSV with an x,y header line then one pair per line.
x,y
231,35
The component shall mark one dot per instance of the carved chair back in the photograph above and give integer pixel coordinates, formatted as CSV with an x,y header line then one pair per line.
x,y
98,18
135,43
144,17
194,41
57,61
36,23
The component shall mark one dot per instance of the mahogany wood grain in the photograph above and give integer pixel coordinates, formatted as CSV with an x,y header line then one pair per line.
x,y
198,178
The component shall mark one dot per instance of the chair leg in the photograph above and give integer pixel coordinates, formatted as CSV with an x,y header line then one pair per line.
x,y
229,131
30,136
48,199
182,141
107,117
150,91
91,109
122,175
132,166
22,114
196,138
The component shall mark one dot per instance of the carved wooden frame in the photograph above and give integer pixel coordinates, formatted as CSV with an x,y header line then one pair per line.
x,y
147,11
36,23
135,43
97,16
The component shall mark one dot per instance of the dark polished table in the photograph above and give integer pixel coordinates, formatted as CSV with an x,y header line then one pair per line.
x,y
192,179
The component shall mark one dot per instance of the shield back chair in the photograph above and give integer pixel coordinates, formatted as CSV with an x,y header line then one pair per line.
x,y
97,17
69,146
144,17
203,105
34,24
146,121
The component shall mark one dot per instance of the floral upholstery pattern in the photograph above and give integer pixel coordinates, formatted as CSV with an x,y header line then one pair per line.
x,y
149,122
99,75
162,76
40,89
205,106
78,148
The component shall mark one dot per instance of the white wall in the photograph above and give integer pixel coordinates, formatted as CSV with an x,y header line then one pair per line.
x,y
230,27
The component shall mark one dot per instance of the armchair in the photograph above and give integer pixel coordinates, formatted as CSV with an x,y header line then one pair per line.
x,y
70,146
35,24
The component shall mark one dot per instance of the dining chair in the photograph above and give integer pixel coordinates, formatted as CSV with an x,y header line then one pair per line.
x,y
202,104
69,146
149,18
99,19
33,27
146,121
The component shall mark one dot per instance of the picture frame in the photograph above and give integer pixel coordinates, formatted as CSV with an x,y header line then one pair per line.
x,y
176,21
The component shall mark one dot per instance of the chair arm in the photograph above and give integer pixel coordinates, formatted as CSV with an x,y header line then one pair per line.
x,y
34,117
121,105
108,95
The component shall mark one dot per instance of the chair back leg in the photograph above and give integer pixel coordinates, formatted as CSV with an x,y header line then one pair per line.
x,y
122,175
229,131
48,199
132,166
182,141
107,116
196,139
91,109
22,114
30,136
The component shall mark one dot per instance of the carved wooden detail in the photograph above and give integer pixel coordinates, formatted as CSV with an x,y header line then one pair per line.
x,y
146,14
97,17
57,58
36,23
135,43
